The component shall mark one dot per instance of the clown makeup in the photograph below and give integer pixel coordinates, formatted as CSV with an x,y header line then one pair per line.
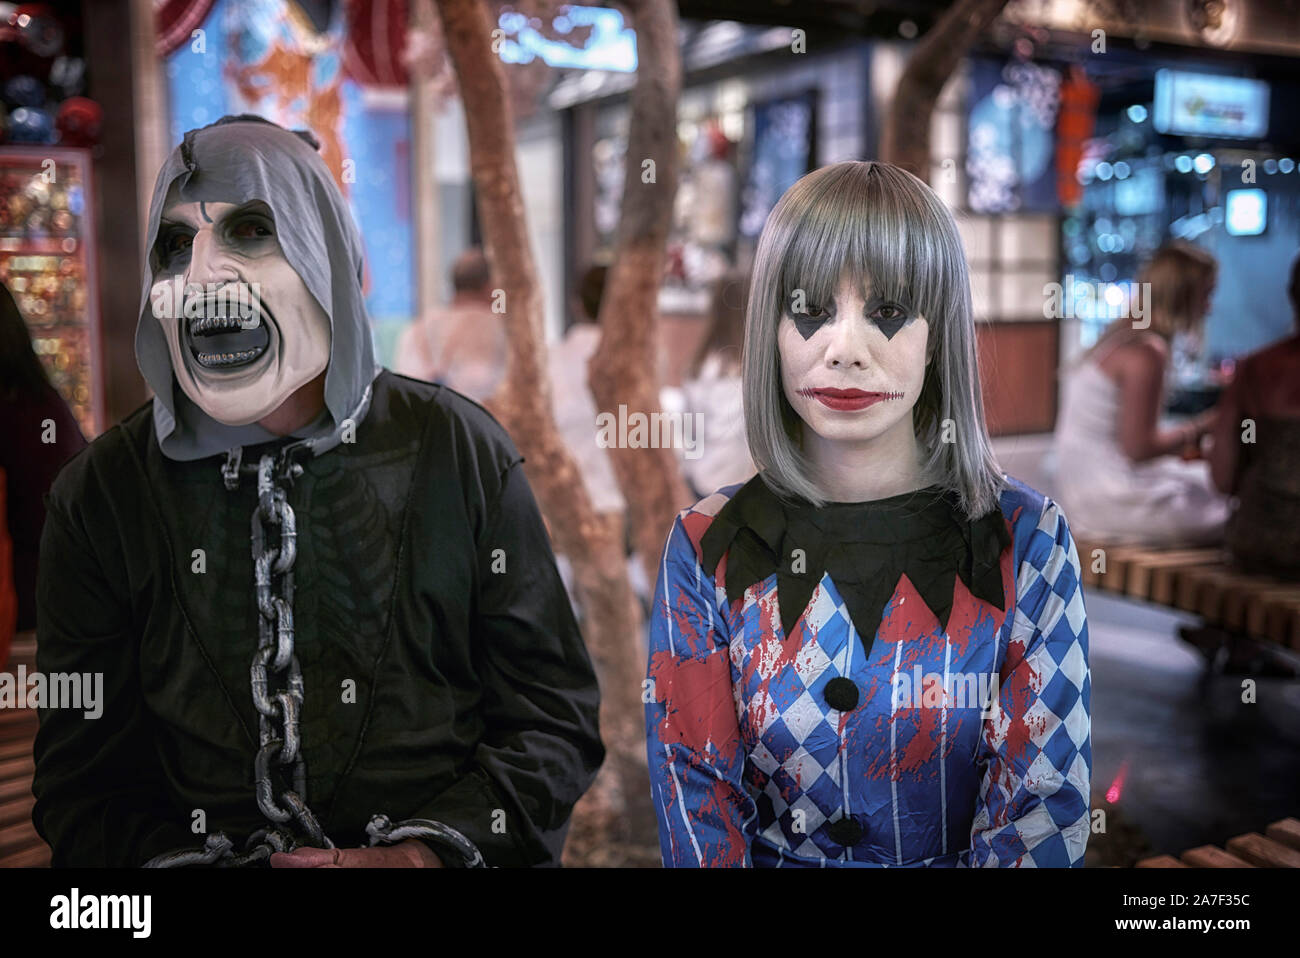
x,y
243,330
852,369
902,327
888,314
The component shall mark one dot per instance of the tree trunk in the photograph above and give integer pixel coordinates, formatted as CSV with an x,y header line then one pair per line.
x,y
612,619
906,138
624,371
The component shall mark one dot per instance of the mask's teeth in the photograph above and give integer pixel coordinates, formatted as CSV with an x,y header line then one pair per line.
x,y
228,359
210,324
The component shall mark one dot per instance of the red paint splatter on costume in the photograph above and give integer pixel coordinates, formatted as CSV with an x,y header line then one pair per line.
x,y
776,650
696,524
717,808
699,716
1020,687
918,752
968,611
696,694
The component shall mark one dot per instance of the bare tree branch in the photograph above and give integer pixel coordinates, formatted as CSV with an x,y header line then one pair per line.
x,y
612,617
624,370
906,138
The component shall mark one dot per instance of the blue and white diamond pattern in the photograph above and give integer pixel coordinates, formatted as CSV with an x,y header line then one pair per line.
x,y
796,735
1051,624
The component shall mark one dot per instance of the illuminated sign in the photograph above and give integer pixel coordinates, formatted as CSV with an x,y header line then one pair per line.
x,y
1203,104
1246,213
586,38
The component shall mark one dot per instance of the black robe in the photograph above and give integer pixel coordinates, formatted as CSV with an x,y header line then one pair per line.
x,y
475,699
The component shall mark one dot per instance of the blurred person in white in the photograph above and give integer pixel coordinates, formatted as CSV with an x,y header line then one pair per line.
x,y
711,386
464,344
571,399
1121,477
575,417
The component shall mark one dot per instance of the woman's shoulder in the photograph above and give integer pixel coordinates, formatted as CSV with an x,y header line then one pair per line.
x,y
1143,351
696,520
1039,527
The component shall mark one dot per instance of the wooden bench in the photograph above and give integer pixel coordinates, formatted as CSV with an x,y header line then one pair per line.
x,y
1201,581
1278,847
20,846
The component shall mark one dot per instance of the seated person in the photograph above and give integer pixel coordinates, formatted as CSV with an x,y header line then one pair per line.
x,y
1259,462
1120,476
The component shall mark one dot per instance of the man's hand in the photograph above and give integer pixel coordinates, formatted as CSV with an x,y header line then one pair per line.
x,y
411,853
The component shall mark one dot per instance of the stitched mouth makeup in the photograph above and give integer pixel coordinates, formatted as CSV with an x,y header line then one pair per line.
x,y
848,400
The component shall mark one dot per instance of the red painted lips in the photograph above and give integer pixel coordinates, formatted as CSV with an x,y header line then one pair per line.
x,y
847,400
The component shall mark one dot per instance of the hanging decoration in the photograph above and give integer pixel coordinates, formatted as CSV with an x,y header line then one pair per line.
x,y
1079,97
175,22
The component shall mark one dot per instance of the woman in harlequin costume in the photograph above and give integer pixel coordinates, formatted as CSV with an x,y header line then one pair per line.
x,y
875,652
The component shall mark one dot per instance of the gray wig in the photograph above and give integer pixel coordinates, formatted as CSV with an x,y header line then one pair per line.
x,y
880,223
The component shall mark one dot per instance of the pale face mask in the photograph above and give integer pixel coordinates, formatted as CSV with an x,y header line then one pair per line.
x,y
243,331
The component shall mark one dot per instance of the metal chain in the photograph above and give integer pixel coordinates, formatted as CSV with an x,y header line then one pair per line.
x,y
275,674
382,830
277,688
275,678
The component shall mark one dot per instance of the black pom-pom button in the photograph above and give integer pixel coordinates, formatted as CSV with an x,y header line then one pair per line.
x,y
845,832
841,694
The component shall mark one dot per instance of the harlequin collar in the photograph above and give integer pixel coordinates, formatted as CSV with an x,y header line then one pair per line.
x,y
864,546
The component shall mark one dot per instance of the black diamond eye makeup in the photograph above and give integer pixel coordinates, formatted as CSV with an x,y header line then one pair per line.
x,y
889,315
809,319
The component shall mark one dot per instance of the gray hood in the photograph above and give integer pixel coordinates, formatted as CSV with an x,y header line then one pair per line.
x,y
240,161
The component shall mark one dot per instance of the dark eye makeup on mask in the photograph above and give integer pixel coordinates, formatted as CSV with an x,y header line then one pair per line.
x,y
246,228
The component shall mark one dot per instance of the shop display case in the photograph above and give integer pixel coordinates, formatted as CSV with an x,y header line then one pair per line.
x,y
47,261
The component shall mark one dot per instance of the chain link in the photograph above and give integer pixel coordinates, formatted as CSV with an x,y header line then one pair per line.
x,y
449,841
276,682
275,679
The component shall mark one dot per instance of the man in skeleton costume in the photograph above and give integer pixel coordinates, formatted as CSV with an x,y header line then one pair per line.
x,y
390,672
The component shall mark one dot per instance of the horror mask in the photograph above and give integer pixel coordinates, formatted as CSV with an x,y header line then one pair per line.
x,y
243,330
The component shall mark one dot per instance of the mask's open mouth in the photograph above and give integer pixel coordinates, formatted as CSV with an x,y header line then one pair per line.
x,y
222,342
